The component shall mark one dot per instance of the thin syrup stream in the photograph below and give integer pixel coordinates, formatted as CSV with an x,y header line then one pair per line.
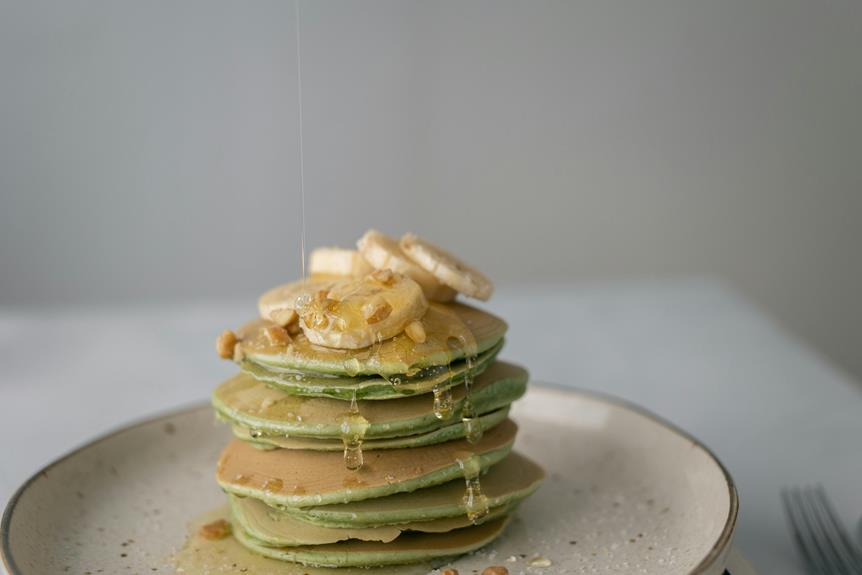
x,y
301,147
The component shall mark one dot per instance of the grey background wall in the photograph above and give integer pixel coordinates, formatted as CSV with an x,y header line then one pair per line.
x,y
148,149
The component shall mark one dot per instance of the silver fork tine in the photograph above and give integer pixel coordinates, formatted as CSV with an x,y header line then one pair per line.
x,y
821,536
844,545
802,536
827,555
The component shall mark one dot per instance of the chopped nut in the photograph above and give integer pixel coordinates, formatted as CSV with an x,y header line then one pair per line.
x,y
415,331
276,335
495,570
449,572
294,328
226,343
540,562
284,317
376,312
386,277
218,529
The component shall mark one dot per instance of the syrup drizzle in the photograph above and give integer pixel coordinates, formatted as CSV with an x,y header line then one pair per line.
x,y
353,424
301,147
475,502
353,428
273,485
469,417
443,404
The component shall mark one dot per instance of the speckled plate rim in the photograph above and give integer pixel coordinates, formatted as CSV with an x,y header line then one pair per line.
x,y
715,552
726,537
9,510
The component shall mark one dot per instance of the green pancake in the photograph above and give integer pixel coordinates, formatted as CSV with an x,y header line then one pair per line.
x,y
374,387
506,483
251,405
440,435
300,478
408,548
396,356
277,528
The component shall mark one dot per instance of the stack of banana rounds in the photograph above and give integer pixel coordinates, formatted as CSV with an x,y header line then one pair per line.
x,y
371,414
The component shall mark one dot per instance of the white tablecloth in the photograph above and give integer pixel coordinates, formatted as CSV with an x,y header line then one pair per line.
x,y
694,352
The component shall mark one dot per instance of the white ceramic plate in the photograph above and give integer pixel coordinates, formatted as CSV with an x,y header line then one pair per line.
x,y
626,493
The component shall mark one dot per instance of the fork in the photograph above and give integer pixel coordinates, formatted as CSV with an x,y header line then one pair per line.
x,y
822,541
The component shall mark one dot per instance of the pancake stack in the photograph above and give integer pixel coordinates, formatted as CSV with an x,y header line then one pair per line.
x,y
370,412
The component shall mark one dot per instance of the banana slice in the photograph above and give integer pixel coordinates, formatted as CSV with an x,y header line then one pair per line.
x,y
279,304
357,313
383,252
447,268
338,261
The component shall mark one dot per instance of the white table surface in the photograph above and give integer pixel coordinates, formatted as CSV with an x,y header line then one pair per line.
x,y
694,352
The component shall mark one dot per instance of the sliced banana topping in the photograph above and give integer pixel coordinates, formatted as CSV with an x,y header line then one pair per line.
x,y
447,268
383,252
356,313
338,261
279,304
